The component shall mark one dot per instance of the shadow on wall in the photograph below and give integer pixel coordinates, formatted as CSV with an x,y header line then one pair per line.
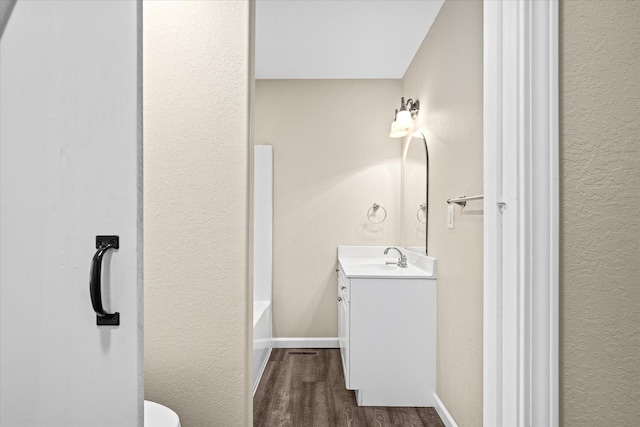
x,y
6,7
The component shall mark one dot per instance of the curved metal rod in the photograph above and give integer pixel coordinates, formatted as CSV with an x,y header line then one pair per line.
x,y
95,283
375,208
422,208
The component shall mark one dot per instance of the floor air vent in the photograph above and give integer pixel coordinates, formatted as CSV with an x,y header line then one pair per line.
x,y
308,353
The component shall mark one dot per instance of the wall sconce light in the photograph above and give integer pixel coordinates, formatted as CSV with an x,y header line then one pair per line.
x,y
403,120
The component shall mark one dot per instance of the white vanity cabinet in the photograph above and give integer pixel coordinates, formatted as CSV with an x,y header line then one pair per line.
x,y
343,323
387,332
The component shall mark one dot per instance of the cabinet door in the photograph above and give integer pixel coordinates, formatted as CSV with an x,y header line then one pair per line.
x,y
343,334
344,323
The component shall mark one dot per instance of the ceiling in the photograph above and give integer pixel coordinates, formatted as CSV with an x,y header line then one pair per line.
x,y
340,39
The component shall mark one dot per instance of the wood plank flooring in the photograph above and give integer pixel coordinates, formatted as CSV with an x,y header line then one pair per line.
x,y
305,387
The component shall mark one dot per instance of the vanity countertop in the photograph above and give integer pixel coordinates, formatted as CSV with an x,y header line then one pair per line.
x,y
378,268
370,262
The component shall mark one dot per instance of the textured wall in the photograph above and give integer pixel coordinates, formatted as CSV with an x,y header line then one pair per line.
x,y
196,83
332,161
600,224
446,76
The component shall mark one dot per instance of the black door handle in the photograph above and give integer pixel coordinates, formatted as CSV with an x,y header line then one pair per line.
x,y
103,244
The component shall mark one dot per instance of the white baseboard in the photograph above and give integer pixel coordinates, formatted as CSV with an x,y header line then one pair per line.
x,y
445,416
331,342
264,365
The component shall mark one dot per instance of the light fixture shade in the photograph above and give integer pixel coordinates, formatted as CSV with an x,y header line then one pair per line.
x,y
404,119
397,131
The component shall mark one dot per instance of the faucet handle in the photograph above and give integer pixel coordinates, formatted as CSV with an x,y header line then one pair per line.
x,y
402,262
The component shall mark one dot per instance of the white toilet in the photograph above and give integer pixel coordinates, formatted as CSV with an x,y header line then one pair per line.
x,y
157,415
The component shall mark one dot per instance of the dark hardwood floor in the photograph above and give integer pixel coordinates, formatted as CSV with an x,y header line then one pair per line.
x,y
305,387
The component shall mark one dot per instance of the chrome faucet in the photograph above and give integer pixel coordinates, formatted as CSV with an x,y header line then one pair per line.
x,y
402,261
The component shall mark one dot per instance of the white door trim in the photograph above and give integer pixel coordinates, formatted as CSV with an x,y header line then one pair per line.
x,y
521,238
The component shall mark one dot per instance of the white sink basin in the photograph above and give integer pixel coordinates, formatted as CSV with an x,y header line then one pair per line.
x,y
381,267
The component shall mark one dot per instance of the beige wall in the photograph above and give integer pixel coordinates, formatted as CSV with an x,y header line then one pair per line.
x,y
332,161
446,76
196,80
600,223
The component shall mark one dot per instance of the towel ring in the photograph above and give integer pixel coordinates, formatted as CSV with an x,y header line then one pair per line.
x,y
372,211
423,209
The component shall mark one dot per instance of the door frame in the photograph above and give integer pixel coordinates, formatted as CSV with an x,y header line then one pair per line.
x,y
521,223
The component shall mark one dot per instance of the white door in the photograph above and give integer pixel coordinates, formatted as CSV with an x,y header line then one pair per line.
x,y
70,169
